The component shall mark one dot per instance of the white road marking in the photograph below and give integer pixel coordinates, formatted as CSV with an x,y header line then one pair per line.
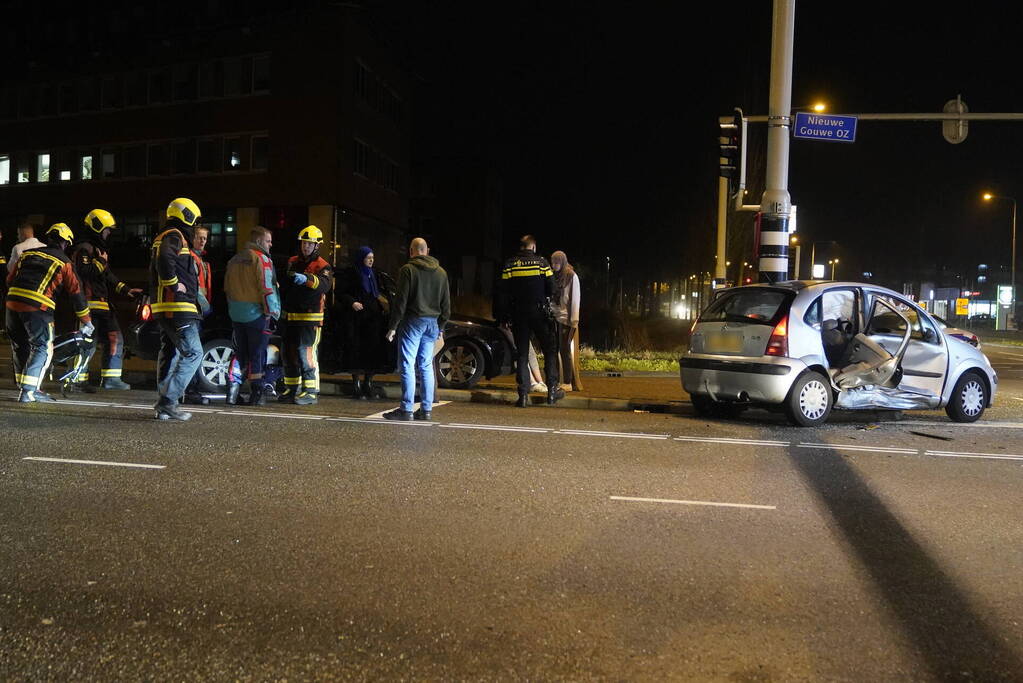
x,y
97,462
623,435
860,447
960,425
415,407
694,502
253,413
732,442
990,456
497,428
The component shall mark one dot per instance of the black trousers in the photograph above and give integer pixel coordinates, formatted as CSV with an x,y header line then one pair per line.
x,y
31,336
536,324
301,369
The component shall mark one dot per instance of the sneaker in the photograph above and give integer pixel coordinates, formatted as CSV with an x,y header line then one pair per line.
x,y
170,411
115,384
32,396
422,415
566,387
306,398
399,414
555,395
538,388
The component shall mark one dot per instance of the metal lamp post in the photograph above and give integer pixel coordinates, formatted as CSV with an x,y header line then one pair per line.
x,y
813,252
1012,278
834,264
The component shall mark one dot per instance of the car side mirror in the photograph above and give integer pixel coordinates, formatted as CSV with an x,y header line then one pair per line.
x,y
930,335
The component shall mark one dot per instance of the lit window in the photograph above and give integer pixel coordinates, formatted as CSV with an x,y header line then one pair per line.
x,y
5,170
232,154
85,169
42,168
65,175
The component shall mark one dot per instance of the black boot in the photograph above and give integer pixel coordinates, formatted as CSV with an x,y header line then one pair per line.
x,y
256,397
554,395
357,390
233,389
367,387
523,401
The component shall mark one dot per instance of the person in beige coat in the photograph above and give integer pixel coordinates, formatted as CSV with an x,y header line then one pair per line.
x,y
566,313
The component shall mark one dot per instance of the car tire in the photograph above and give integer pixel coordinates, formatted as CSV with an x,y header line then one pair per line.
x,y
459,365
705,406
969,398
810,400
215,365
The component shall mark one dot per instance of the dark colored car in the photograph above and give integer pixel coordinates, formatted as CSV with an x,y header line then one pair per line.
x,y
474,348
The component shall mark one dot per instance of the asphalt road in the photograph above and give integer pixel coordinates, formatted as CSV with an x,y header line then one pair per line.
x,y
496,543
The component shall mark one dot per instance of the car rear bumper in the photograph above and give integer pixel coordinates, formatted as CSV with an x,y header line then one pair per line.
x,y
728,378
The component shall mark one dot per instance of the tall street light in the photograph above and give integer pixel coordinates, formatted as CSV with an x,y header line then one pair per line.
x,y
1012,282
834,264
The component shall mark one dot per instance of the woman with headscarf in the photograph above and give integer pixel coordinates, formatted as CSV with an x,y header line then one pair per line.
x,y
363,299
566,313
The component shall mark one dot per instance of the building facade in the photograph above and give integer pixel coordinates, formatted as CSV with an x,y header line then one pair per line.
x,y
262,116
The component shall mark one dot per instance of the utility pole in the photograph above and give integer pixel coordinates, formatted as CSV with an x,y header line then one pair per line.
x,y
775,204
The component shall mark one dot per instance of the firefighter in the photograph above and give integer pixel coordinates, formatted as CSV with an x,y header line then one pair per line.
x,y
174,279
92,265
303,293
33,285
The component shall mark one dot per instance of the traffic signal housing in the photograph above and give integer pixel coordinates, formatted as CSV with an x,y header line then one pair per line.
x,y
730,162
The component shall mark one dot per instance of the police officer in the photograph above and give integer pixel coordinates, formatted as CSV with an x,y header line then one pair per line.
x,y
92,265
303,292
174,280
34,283
527,284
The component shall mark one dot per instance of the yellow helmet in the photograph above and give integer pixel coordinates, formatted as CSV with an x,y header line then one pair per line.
x,y
98,220
311,233
63,232
185,210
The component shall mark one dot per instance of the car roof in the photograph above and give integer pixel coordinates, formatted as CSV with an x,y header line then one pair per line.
x,y
814,286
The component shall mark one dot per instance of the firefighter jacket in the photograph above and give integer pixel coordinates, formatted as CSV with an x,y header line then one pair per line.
x,y
303,304
172,265
97,280
527,282
36,279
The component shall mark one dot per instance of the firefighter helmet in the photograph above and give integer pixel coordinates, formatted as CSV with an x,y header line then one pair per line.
x,y
98,220
311,233
185,210
62,231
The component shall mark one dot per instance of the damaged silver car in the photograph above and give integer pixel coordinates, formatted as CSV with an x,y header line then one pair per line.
x,y
807,347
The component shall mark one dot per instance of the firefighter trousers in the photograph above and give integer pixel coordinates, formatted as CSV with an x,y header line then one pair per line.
x,y
108,336
31,334
301,367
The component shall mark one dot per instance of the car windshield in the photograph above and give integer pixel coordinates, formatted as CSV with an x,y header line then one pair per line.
x,y
752,305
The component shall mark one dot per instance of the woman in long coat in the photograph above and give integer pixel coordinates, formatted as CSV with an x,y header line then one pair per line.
x,y
566,313
364,303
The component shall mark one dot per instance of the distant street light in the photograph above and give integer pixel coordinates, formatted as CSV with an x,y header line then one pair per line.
x,y
834,264
813,255
794,241
1012,282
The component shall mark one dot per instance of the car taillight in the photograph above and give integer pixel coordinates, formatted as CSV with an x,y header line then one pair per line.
x,y
146,313
778,344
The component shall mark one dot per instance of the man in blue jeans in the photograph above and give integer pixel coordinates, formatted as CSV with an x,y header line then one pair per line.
x,y
418,314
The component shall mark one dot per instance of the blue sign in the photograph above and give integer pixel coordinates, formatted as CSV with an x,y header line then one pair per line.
x,y
824,127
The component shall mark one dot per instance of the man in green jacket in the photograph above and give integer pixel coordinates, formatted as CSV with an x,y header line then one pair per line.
x,y
419,311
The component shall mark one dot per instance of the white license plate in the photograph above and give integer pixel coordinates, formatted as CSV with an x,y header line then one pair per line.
x,y
721,342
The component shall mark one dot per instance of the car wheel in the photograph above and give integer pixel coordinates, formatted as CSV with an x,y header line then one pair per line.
x,y
705,406
969,398
459,365
810,400
215,365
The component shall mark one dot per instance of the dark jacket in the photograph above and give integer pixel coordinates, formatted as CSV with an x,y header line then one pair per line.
x,y
94,273
303,304
38,277
364,347
172,264
422,292
527,281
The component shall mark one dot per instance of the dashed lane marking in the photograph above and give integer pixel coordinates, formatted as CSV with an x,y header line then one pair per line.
x,y
97,462
415,407
708,503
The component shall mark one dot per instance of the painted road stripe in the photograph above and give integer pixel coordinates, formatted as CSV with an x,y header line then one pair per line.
x,y
97,462
860,447
622,435
415,407
693,502
253,413
733,442
994,456
960,425
497,428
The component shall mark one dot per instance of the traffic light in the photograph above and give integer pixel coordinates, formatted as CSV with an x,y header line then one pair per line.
x,y
730,149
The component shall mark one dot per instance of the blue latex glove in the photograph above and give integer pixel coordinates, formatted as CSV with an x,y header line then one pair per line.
x,y
300,278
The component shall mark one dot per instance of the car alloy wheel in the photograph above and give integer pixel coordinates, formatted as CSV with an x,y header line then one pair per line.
x,y
457,365
972,397
216,365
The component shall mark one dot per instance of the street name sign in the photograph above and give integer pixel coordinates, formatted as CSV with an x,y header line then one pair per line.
x,y
826,127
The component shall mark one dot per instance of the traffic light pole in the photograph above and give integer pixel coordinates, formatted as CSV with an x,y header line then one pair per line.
x,y
719,266
776,203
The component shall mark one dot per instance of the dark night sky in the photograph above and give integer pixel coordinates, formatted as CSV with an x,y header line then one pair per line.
x,y
603,121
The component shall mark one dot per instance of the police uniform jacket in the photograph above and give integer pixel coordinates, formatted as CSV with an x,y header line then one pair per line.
x,y
527,281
